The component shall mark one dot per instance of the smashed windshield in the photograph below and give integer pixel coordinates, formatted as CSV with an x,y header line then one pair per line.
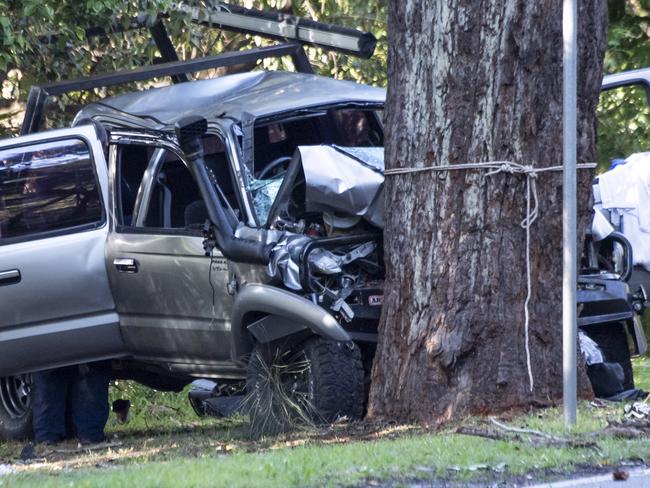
x,y
264,193
325,178
356,130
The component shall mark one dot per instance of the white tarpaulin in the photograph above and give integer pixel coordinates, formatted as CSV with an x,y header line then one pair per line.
x,y
626,190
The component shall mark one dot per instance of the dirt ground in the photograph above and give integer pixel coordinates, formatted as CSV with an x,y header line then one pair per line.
x,y
194,441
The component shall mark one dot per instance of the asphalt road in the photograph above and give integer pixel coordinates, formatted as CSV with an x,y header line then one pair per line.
x,y
639,478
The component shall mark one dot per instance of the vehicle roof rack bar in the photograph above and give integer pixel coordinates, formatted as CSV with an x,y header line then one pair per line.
x,y
38,94
168,53
166,48
298,31
33,110
277,25
270,25
301,61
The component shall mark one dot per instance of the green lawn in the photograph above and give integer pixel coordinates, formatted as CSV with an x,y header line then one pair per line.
x,y
331,462
166,445
642,372
422,456
409,457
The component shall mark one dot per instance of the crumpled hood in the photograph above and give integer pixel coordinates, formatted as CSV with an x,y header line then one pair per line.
x,y
345,181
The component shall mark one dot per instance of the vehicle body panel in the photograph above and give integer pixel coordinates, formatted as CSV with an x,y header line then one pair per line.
x,y
299,312
259,93
171,303
175,306
61,311
640,276
633,77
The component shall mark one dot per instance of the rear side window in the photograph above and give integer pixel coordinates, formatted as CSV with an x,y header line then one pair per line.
x,y
47,187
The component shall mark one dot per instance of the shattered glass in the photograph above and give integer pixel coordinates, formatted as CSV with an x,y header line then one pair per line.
x,y
264,193
370,156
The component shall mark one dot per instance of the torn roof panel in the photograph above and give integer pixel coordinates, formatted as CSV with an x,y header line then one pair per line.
x,y
261,93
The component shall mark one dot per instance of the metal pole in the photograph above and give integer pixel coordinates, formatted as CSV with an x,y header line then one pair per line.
x,y
569,219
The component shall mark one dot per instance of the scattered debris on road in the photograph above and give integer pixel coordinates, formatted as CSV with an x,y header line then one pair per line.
x,y
620,475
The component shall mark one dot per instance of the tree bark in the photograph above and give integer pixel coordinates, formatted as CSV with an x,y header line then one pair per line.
x,y
472,82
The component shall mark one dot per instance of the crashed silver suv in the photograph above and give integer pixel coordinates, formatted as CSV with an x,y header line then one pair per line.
x,y
178,230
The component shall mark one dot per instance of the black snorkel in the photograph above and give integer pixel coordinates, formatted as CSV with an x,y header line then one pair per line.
x,y
219,231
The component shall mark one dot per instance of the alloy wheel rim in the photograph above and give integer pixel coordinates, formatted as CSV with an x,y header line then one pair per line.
x,y
15,395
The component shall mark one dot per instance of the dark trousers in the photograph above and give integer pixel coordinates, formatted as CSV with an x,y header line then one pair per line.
x,y
69,402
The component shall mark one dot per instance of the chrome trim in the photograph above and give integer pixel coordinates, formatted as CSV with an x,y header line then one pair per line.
x,y
126,265
15,395
640,340
146,187
9,277
112,168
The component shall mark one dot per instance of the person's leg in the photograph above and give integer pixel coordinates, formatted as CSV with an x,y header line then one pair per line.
x,y
70,432
50,391
90,403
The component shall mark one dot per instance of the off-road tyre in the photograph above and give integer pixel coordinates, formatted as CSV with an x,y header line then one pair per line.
x,y
15,411
334,377
337,375
613,343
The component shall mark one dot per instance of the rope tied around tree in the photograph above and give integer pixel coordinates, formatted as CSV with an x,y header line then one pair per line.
x,y
510,167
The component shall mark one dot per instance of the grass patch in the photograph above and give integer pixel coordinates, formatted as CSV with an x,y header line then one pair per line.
x,y
641,367
153,410
165,444
338,457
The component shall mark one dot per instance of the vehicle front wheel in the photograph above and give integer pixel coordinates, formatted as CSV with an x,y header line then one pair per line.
x,y
319,379
16,407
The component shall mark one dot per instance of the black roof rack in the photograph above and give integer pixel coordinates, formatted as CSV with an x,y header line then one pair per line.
x,y
294,31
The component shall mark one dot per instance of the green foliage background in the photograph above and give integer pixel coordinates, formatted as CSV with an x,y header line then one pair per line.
x,y
44,41
623,115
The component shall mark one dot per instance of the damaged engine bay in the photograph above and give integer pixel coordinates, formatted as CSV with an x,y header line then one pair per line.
x,y
326,212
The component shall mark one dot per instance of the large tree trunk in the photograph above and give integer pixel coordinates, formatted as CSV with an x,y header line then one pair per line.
x,y
471,82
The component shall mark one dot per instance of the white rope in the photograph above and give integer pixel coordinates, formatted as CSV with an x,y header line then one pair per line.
x,y
531,173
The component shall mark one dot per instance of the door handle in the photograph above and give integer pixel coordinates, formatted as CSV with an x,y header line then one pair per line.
x,y
10,277
126,265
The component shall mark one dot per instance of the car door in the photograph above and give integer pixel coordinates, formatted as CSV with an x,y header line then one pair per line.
x,y
171,297
56,306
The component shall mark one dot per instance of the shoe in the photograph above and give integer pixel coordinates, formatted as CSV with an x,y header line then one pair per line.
x,y
34,451
92,442
27,452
